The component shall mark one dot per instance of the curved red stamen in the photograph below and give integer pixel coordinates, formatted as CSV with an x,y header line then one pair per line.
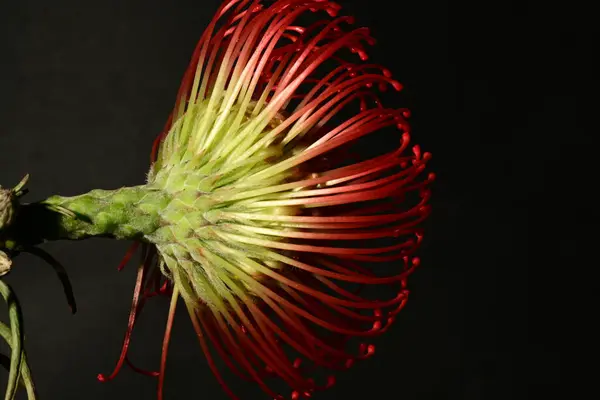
x,y
131,323
207,354
165,345
130,252
152,374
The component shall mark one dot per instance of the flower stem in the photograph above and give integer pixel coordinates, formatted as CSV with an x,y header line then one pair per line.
x,y
128,213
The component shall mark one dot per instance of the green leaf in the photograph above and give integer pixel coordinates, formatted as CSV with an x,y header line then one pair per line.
x,y
26,378
16,356
19,189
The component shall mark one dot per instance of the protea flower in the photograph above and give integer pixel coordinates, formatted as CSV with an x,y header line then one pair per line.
x,y
283,203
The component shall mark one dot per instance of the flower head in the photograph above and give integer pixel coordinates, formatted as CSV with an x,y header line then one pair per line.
x,y
297,198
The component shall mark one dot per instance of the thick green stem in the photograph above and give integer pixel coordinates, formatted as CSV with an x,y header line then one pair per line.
x,y
129,213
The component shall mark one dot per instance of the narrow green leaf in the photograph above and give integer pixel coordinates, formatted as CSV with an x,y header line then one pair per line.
x,y
16,356
26,378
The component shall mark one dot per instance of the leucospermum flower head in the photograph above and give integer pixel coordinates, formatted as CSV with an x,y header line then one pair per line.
x,y
296,198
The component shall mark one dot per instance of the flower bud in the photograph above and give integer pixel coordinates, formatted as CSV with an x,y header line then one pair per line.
x,y
5,263
7,208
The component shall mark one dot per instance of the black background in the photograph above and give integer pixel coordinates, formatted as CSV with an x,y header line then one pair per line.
x,y
85,87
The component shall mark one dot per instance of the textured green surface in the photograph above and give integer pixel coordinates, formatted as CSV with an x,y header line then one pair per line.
x,y
130,213
126,213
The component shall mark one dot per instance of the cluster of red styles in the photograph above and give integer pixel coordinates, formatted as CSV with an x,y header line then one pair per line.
x,y
347,258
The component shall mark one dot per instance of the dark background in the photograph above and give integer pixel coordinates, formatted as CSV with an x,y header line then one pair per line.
x,y
86,86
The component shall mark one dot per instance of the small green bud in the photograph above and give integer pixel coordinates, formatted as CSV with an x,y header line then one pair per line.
x,y
5,263
9,202
7,208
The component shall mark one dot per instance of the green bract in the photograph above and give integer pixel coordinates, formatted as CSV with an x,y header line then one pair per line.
x,y
7,208
5,263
